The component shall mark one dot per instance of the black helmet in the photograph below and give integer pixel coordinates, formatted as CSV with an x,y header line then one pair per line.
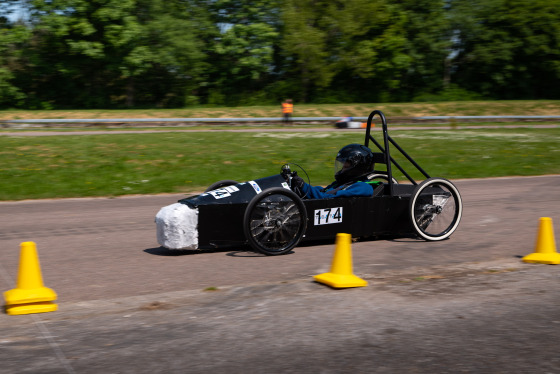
x,y
352,162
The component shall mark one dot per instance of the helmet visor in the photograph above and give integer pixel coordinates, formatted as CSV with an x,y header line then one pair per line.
x,y
341,164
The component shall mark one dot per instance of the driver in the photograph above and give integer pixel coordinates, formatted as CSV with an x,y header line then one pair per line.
x,y
352,165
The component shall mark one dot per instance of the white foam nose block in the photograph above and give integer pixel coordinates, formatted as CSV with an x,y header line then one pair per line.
x,y
177,227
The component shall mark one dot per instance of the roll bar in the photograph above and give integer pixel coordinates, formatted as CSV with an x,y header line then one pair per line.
x,y
386,152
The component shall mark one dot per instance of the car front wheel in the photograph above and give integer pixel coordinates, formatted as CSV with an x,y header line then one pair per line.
x,y
275,221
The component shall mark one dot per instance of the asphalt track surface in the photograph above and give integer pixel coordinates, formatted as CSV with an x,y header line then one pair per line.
x,y
463,305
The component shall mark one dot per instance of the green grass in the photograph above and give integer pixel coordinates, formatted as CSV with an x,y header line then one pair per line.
x,y
113,165
517,107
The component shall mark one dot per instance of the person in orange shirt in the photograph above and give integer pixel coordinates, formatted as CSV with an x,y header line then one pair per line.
x,y
287,110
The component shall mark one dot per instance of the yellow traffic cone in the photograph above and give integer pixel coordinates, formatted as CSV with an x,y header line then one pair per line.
x,y
341,275
545,247
29,296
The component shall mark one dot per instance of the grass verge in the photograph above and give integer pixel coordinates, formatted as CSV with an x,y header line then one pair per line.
x,y
120,164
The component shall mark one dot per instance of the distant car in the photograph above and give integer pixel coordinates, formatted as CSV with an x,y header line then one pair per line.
x,y
265,214
349,123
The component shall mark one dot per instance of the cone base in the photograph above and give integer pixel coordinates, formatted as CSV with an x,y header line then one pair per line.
x,y
42,307
340,280
543,258
24,296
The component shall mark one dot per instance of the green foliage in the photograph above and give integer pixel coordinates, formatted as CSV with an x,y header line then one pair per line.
x,y
12,37
366,50
508,49
112,53
241,51
156,53
305,42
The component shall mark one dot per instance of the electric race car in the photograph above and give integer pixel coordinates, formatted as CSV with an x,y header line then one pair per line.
x,y
268,216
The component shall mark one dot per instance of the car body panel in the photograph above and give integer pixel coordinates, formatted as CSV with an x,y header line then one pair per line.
x,y
221,212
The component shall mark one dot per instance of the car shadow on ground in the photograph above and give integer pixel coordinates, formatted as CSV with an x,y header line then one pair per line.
x,y
162,251
232,252
246,251
249,253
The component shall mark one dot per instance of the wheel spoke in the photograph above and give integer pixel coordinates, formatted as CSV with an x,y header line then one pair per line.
x,y
275,221
256,227
436,209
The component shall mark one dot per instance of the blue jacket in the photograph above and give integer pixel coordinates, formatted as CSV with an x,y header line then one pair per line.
x,y
355,189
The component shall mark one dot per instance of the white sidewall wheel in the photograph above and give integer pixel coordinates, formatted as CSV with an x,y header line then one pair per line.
x,y
449,217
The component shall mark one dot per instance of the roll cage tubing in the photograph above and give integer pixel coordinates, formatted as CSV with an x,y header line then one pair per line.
x,y
388,160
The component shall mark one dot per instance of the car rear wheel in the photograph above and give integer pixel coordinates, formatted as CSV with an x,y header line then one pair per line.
x,y
221,184
275,221
435,209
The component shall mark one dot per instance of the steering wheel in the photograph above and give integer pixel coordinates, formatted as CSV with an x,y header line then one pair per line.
x,y
288,174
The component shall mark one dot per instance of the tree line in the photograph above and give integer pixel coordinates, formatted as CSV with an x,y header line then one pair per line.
x,y
175,53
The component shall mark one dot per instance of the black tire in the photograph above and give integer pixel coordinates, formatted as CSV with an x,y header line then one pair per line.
x,y
274,221
220,184
435,209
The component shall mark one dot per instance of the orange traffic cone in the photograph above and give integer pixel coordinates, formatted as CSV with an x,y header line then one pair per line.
x,y
341,275
29,296
545,247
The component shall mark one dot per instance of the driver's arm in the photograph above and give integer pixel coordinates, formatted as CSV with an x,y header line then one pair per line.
x,y
318,192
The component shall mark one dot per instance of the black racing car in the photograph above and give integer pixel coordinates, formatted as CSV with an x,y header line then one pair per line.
x,y
266,214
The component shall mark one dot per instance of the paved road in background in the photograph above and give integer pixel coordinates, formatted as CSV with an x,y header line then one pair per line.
x,y
467,304
264,129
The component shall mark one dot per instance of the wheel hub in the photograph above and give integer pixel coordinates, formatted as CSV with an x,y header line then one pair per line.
x,y
273,221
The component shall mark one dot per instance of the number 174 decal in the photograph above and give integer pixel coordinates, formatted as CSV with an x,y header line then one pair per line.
x,y
328,215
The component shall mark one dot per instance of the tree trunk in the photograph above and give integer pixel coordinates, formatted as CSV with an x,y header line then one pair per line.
x,y
130,92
